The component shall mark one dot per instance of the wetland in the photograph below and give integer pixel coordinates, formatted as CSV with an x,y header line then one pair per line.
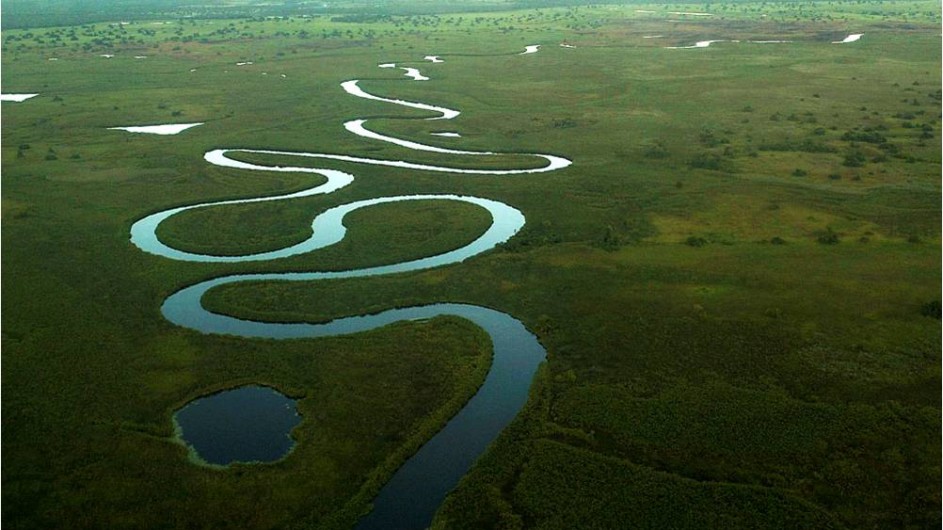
x,y
246,424
632,286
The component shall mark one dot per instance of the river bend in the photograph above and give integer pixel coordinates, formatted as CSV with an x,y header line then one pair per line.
x,y
409,500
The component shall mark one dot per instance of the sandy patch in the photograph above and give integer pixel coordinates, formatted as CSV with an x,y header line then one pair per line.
x,y
16,97
414,74
850,38
530,49
433,58
699,44
168,129
447,134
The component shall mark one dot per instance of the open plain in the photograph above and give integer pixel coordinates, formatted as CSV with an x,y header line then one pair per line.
x,y
730,253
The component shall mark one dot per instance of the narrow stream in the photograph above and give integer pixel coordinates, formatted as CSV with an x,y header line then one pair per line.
x,y
409,500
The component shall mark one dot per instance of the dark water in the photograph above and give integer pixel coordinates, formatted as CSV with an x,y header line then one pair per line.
x,y
246,424
414,493
409,500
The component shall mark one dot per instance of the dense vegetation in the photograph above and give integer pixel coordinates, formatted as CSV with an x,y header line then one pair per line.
x,y
737,281
45,13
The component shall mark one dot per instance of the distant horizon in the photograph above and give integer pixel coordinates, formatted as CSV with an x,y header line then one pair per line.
x,y
20,14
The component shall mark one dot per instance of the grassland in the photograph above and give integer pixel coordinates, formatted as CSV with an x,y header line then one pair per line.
x,y
737,281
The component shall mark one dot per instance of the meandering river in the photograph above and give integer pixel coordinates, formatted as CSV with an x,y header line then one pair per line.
x,y
409,500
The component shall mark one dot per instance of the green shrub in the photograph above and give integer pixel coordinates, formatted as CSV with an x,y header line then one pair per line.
x,y
829,237
866,136
931,309
854,159
706,160
656,150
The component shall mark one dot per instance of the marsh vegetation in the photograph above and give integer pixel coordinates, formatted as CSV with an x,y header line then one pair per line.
x,y
737,281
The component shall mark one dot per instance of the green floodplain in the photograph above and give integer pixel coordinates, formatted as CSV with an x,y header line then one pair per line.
x,y
737,280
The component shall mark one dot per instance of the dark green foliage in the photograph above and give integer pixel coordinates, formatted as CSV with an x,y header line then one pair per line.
x,y
531,238
872,137
931,309
828,237
610,240
806,145
709,138
617,494
565,123
707,160
694,241
361,18
719,435
656,151
854,158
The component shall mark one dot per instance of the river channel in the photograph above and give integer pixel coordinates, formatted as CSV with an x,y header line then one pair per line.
x,y
409,500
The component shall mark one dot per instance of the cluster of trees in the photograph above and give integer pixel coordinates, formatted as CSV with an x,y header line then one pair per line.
x,y
350,26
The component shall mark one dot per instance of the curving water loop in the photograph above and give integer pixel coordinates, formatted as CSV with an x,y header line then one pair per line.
x,y
410,498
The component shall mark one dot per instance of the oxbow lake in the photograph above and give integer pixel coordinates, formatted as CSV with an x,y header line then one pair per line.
x,y
246,424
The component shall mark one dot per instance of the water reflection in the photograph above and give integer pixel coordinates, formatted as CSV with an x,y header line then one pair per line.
x,y
246,424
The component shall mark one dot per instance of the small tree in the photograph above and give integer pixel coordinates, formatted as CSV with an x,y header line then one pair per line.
x,y
931,309
694,241
656,150
829,237
854,159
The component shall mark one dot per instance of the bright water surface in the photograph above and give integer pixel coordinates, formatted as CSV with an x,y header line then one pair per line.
x,y
409,500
